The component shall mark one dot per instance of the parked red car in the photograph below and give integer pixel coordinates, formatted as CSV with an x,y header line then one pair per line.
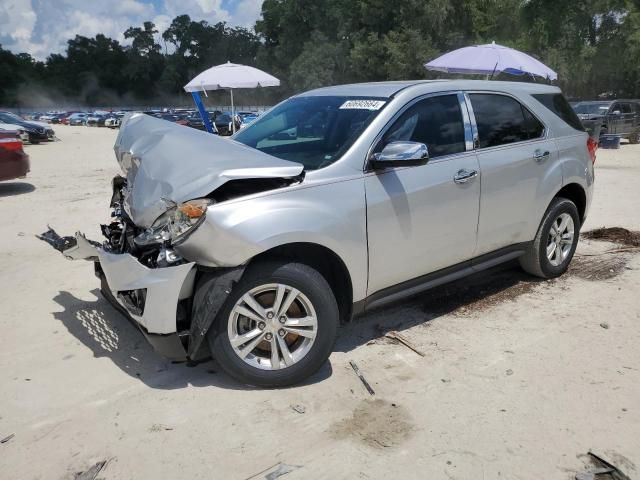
x,y
14,163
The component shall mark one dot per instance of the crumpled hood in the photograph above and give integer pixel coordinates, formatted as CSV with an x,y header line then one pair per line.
x,y
163,160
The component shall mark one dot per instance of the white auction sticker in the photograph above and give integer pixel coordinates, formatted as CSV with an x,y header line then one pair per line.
x,y
362,104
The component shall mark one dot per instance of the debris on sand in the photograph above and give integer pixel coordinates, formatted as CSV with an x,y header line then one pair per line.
x,y
361,377
280,470
596,268
7,438
92,473
298,408
603,468
605,325
158,427
618,235
378,424
401,339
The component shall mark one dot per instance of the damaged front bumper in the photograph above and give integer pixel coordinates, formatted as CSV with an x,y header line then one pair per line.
x,y
151,297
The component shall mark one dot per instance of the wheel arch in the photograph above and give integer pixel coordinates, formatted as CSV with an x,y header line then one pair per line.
x,y
322,259
576,193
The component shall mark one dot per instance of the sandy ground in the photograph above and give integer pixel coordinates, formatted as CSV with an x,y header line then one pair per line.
x,y
518,381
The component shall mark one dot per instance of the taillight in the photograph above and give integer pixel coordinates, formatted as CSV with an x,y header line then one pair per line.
x,y
14,144
592,146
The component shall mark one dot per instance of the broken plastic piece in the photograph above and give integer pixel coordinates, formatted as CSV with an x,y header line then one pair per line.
x,y
73,248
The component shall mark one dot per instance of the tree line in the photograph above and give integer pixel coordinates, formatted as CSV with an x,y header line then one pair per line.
x,y
594,45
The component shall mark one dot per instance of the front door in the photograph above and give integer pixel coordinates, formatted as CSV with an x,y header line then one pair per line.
x,y
614,119
422,219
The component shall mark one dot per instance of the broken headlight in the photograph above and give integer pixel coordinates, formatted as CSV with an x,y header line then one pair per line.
x,y
176,223
186,217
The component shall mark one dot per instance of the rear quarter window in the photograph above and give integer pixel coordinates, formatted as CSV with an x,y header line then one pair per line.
x,y
556,103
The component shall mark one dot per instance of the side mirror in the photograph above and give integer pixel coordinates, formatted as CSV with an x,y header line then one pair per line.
x,y
400,154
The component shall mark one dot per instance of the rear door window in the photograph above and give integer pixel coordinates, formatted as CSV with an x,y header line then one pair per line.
x,y
434,121
502,120
556,103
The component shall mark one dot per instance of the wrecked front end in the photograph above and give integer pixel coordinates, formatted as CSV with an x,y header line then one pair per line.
x,y
160,200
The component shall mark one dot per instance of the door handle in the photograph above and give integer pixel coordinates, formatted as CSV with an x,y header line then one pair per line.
x,y
464,175
540,156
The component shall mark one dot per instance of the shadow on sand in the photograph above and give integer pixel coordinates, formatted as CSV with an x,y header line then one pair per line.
x,y
10,189
107,333
475,293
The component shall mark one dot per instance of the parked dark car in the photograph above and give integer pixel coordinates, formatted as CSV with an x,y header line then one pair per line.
x,y
96,120
77,119
169,117
195,121
57,119
223,124
38,132
613,117
14,163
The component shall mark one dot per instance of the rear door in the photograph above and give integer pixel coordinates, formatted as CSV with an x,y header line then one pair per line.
x,y
627,115
421,219
518,164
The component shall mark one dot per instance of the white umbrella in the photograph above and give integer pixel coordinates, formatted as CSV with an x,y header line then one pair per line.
x,y
490,59
229,76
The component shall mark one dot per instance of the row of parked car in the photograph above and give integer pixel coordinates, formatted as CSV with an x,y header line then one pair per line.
x,y
31,131
222,121
610,117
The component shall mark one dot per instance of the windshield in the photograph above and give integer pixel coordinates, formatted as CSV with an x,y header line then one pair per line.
x,y
313,131
592,108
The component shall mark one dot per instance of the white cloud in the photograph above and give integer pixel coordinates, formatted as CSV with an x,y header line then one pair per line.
x,y
18,19
247,12
41,27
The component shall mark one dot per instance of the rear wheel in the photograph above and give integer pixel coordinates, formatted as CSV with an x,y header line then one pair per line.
x,y
550,254
635,137
277,327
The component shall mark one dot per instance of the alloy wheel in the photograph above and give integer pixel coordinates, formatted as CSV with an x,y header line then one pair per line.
x,y
272,326
560,239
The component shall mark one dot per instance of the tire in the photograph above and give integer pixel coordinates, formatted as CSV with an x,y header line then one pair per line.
x,y
634,138
262,283
535,260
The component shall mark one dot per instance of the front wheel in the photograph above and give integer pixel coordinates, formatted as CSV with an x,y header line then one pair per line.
x,y
550,254
634,138
277,327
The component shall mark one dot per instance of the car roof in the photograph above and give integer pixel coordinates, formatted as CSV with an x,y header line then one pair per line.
x,y
389,89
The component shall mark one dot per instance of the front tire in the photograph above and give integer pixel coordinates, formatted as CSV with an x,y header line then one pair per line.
x,y
550,253
277,327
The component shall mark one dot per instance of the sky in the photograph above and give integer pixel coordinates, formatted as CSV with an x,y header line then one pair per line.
x,y
41,27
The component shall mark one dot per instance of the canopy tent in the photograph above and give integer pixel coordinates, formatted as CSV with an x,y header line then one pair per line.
x,y
490,59
227,77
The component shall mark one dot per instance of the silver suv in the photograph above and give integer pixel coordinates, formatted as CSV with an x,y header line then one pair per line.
x,y
254,249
